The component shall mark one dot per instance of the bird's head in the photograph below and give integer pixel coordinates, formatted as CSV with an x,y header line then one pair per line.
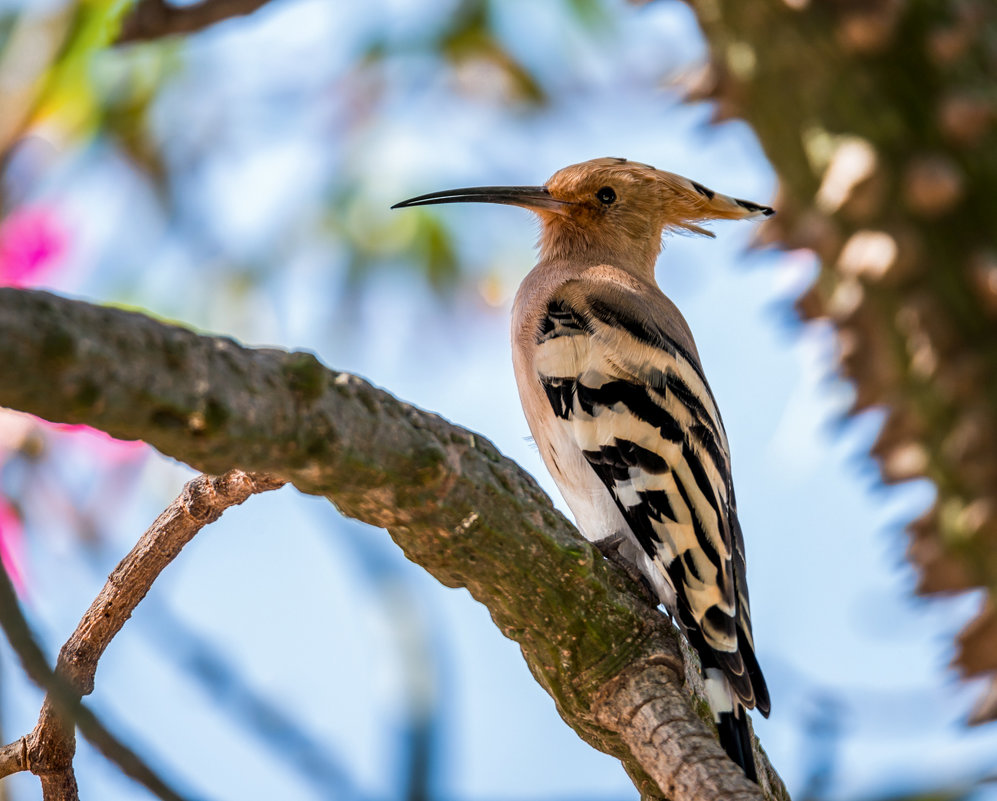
x,y
608,210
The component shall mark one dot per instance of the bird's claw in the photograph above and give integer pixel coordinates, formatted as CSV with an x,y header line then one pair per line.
x,y
610,548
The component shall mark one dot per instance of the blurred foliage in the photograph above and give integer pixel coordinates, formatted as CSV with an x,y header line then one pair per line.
x,y
100,104
67,98
46,68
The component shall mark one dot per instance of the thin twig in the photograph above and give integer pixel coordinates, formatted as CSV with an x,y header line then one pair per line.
x,y
156,19
202,501
14,757
49,749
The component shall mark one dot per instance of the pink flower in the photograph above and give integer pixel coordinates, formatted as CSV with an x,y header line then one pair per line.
x,y
32,242
103,447
12,545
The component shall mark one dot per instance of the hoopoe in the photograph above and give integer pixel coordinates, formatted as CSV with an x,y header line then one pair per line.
x,y
620,409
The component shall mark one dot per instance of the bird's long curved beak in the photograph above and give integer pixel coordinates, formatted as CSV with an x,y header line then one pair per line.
x,y
530,197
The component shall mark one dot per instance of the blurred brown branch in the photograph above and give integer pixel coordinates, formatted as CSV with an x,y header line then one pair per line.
x,y
616,669
156,19
48,750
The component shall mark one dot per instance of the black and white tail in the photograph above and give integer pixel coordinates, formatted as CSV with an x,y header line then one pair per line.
x,y
736,741
732,722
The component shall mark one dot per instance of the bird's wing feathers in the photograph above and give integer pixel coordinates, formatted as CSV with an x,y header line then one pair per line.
x,y
621,372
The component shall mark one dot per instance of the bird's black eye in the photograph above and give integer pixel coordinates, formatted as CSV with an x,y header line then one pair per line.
x,y
606,195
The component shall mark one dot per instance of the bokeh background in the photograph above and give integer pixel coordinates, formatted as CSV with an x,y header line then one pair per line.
x,y
238,181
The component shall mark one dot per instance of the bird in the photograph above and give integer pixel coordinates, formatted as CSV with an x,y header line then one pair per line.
x,y
617,402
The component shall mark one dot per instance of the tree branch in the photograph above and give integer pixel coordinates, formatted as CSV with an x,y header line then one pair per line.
x,y
156,19
13,757
201,502
449,499
48,750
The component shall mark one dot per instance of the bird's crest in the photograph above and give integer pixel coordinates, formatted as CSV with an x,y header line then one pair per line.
x,y
670,199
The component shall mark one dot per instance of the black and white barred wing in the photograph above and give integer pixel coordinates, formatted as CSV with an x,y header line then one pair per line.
x,y
637,405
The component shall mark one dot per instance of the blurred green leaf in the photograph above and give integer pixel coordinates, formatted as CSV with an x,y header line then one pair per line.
x,y
470,39
376,241
592,14
129,82
68,96
435,249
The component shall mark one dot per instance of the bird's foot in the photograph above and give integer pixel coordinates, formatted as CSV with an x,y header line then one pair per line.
x,y
610,548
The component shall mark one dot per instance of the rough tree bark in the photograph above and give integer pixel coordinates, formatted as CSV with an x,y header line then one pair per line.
x,y
617,670
879,117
